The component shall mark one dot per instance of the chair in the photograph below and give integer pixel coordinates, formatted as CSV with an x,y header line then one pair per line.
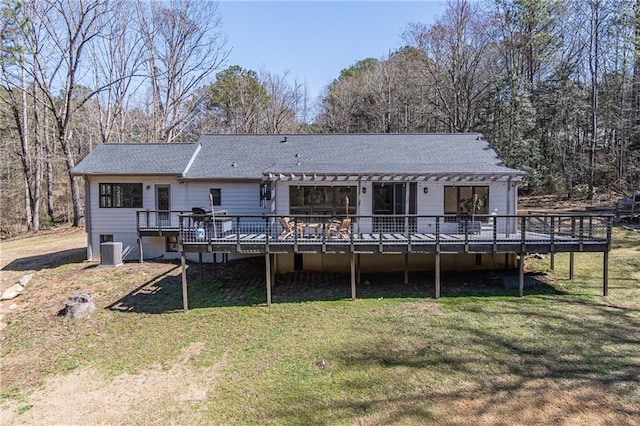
x,y
289,227
339,228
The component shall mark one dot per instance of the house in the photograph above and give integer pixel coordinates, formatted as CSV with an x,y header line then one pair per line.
x,y
397,202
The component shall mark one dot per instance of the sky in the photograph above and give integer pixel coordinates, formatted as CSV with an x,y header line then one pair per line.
x,y
314,40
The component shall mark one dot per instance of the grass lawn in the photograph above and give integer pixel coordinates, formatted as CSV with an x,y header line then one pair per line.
x,y
566,356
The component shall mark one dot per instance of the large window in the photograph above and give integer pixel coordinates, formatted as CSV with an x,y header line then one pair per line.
x,y
466,200
121,195
323,200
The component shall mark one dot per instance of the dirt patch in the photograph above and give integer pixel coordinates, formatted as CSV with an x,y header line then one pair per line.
x,y
152,396
33,253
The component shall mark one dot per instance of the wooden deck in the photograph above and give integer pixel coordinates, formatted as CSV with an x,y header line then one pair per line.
x,y
518,234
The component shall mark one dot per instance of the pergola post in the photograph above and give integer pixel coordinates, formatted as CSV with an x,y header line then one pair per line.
x,y
185,302
437,278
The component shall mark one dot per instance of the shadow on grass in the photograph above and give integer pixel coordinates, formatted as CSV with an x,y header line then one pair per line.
x,y
563,354
242,283
47,261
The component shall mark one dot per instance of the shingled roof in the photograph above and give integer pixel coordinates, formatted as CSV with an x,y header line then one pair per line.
x,y
137,159
251,156
254,156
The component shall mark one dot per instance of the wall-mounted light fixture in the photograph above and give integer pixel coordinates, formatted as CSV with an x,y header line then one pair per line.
x,y
364,189
425,189
148,186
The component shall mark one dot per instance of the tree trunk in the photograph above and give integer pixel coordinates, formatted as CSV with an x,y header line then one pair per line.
x,y
49,148
78,213
37,172
635,119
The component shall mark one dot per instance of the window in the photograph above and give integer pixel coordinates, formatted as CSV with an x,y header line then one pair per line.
x,y
459,200
121,195
265,193
323,200
106,238
216,193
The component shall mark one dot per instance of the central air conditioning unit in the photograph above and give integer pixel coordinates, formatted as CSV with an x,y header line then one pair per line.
x,y
110,254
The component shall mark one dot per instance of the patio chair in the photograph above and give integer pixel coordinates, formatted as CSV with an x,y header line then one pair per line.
x,y
339,228
289,227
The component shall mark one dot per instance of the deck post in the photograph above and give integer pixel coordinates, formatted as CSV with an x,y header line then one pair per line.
x,y
605,274
571,259
521,275
140,248
201,271
185,302
274,268
353,276
552,263
437,278
406,268
267,262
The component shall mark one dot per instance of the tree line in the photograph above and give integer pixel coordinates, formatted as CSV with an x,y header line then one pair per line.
x,y
554,85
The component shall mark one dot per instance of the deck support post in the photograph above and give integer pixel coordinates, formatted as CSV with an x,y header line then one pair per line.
x,y
201,271
406,268
267,263
437,278
140,248
552,262
605,274
521,276
185,302
353,276
571,259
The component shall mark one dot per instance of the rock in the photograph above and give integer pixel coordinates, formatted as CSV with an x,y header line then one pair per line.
x,y
13,306
25,279
78,306
12,292
2,326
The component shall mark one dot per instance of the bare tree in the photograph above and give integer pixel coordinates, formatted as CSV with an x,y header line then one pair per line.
x,y
455,50
285,102
116,63
183,48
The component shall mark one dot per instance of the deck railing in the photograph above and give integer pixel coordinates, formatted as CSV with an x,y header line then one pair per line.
x,y
158,219
396,229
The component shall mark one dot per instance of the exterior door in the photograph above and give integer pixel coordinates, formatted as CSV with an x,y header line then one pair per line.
x,y
163,204
391,199
388,200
